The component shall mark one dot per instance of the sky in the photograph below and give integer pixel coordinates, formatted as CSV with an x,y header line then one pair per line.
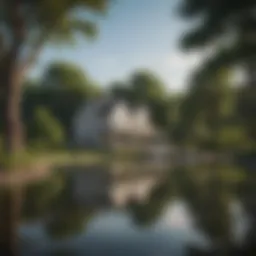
x,y
135,34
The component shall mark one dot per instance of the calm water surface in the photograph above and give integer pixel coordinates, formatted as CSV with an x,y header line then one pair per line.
x,y
207,210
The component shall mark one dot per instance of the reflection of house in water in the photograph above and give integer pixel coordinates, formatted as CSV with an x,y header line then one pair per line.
x,y
98,186
115,124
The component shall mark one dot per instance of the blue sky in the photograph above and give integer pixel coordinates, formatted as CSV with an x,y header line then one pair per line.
x,y
135,34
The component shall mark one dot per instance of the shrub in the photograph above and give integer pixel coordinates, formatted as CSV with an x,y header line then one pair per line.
x,y
46,130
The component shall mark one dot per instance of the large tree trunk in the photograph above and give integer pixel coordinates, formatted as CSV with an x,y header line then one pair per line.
x,y
11,79
13,130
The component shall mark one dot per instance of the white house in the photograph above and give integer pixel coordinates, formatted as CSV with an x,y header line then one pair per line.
x,y
107,122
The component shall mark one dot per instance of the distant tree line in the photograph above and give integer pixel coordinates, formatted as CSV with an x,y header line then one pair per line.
x,y
208,115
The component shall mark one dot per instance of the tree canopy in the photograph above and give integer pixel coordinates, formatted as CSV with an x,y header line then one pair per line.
x,y
228,29
25,28
61,90
146,88
228,26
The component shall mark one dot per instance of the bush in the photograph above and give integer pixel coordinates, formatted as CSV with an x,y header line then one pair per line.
x,y
16,160
1,145
46,130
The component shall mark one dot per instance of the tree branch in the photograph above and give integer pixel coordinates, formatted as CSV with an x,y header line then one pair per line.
x,y
34,52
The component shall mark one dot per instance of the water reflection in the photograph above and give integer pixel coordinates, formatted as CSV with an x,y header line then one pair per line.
x,y
10,211
205,210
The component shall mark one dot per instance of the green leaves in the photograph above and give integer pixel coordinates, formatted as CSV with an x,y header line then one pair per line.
x,y
48,131
217,18
147,86
59,20
67,29
144,87
64,75
86,28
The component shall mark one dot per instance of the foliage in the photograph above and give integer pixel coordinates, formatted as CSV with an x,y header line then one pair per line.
x,y
1,145
145,88
68,76
62,90
208,115
26,27
219,20
121,90
46,131
15,161
228,28
42,20
247,109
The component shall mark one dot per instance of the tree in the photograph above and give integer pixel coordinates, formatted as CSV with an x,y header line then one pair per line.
x,y
46,130
63,88
68,76
121,90
247,108
28,25
145,88
221,20
228,28
208,116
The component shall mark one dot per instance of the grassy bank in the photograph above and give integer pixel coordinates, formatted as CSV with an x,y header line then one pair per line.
x,y
28,159
61,158
51,158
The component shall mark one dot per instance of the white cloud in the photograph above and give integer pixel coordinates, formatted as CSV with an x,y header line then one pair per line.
x,y
176,68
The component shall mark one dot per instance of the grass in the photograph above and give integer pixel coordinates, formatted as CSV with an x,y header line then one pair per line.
x,y
70,157
14,161
52,158
32,157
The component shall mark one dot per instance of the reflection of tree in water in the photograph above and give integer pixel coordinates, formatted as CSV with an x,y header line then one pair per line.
x,y
40,197
10,208
246,191
17,203
52,199
209,200
68,221
67,217
209,193
146,213
206,197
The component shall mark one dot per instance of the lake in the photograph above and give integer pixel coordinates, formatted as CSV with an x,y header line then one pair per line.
x,y
204,210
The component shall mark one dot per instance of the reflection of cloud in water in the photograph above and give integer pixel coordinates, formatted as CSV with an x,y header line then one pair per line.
x,y
178,217
240,222
114,233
